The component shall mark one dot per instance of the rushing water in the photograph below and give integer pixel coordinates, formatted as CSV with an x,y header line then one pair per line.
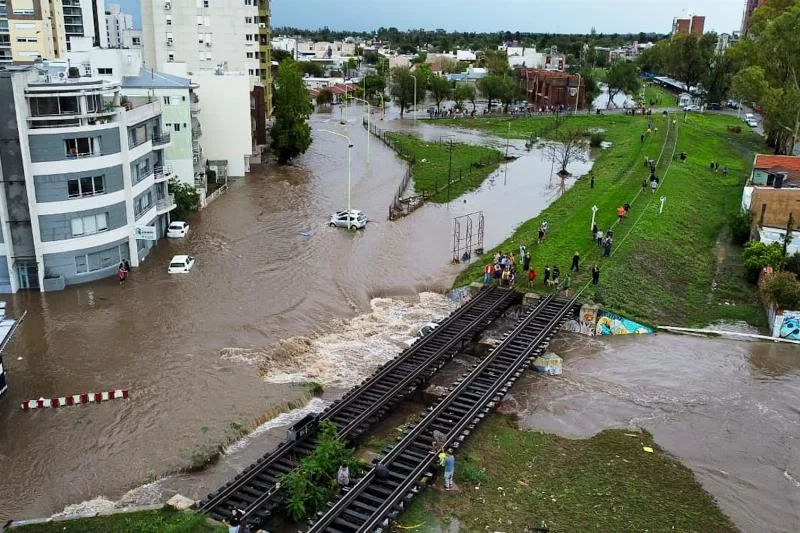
x,y
190,348
727,409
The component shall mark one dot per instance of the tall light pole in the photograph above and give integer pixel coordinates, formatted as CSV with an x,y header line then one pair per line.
x,y
578,93
349,166
415,98
368,130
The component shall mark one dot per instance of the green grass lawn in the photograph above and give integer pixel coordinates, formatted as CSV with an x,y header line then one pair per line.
x,y
664,265
158,521
471,165
655,92
509,479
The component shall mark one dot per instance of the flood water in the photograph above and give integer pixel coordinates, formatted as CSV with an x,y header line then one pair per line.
x,y
726,409
189,347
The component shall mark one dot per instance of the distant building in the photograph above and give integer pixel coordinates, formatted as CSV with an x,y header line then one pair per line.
x,y
749,8
287,44
694,24
552,88
119,29
520,56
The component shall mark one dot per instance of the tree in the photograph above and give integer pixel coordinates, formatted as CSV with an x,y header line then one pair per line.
x,y
689,57
496,61
185,197
352,64
279,55
591,86
312,68
375,86
717,80
291,134
783,289
403,88
758,255
464,92
567,146
623,76
371,57
491,87
510,91
771,77
654,59
324,97
440,90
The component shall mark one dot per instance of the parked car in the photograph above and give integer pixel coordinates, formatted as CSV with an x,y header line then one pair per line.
x,y
713,106
180,264
733,104
691,107
358,219
177,229
748,117
753,123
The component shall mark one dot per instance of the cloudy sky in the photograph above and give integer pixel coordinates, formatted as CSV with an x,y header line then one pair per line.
x,y
562,16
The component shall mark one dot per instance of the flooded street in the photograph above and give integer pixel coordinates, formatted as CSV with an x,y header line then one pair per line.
x,y
726,409
189,347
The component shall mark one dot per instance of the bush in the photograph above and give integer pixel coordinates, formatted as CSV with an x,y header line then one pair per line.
x,y
758,255
596,140
793,264
471,471
740,225
784,289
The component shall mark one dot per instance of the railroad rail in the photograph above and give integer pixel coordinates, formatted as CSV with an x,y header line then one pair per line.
x,y
256,491
372,503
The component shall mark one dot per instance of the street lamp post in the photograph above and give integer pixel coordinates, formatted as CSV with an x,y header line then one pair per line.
x,y
415,98
368,115
349,167
578,93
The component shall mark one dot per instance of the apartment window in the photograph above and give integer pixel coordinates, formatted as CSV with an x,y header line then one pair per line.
x,y
170,57
166,100
248,20
248,37
176,127
249,55
200,37
199,20
141,170
205,3
103,259
87,70
82,147
105,71
168,20
89,224
250,71
143,203
88,186
248,2
27,40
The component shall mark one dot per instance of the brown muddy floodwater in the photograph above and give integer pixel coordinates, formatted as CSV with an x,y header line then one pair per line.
x,y
727,409
188,347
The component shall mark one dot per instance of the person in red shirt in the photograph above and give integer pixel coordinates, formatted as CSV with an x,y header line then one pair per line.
x,y
531,276
621,213
488,270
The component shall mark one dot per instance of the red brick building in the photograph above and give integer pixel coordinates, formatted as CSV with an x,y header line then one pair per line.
x,y
552,88
695,24
749,7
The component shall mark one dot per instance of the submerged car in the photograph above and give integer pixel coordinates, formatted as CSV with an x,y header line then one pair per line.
x,y
177,229
180,264
353,218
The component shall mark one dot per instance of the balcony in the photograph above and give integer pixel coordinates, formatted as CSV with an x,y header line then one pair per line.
x,y
162,173
194,107
166,204
160,140
197,131
142,109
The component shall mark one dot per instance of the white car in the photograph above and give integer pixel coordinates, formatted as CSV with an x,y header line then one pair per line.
x,y
427,328
753,123
177,229
691,107
181,264
748,117
357,219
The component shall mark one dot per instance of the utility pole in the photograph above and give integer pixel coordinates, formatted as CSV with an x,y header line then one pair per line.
x,y
450,170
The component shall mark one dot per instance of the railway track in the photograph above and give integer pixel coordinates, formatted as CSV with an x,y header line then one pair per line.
x,y
372,504
255,490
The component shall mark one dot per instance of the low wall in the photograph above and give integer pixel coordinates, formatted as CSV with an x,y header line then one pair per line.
x,y
594,321
785,324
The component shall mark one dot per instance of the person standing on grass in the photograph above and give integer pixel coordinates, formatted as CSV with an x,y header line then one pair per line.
x,y
488,270
449,469
522,250
526,261
556,275
541,234
531,276
620,213
627,207
591,182
595,275
566,285
725,170
546,275
594,231
607,247
576,261
599,237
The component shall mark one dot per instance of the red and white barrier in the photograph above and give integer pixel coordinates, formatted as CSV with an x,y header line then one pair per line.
x,y
75,399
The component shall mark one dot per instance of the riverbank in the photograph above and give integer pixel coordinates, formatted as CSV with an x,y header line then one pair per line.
x,y
466,165
610,482
670,267
163,520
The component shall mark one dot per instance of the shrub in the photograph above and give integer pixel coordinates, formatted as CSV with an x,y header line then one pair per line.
x,y
793,263
471,471
313,387
758,255
740,225
784,289
596,140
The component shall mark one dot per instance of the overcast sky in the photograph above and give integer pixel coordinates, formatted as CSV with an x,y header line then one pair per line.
x,y
561,16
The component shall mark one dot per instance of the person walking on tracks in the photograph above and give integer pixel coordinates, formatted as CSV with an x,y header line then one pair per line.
x,y
449,469
343,477
235,522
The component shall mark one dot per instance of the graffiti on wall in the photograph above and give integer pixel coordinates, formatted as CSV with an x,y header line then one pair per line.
x,y
611,324
585,323
460,295
790,326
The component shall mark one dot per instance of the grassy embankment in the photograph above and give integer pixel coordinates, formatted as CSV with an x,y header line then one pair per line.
x,y
473,164
158,521
509,479
666,268
655,92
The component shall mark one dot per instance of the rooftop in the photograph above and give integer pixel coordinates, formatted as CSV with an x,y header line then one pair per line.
x,y
780,163
151,79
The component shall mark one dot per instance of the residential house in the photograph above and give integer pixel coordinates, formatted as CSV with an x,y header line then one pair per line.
x,y
773,192
552,88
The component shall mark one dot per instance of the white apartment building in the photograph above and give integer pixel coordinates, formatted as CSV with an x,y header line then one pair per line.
x,y
85,18
81,177
107,63
206,35
119,29
287,44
